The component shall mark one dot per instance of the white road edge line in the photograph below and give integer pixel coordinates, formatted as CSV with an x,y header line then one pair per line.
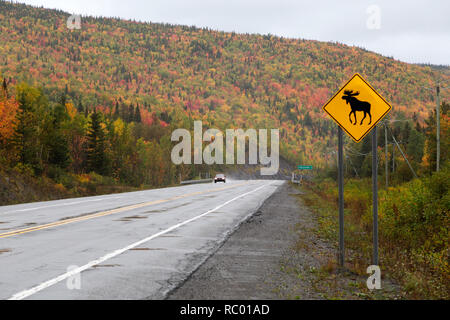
x,y
26,293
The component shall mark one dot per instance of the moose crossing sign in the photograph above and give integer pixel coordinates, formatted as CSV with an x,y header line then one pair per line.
x,y
357,107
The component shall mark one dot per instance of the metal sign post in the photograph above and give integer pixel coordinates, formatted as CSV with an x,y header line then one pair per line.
x,y
341,195
375,195
357,108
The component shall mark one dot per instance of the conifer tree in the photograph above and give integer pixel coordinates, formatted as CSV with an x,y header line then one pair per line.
x,y
137,115
116,111
5,88
96,159
130,116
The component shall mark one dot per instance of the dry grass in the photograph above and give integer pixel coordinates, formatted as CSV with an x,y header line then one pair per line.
x,y
400,257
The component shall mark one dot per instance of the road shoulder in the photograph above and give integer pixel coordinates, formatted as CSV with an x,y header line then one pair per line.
x,y
275,254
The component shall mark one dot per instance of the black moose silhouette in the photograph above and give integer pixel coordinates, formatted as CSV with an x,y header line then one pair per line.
x,y
356,105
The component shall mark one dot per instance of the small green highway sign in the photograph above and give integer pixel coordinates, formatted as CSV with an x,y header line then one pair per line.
x,y
304,167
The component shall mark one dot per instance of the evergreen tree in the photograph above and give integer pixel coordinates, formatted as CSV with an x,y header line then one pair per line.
x,y
63,97
5,87
96,159
130,115
137,115
116,111
57,141
80,107
415,147
406,130
26,136
307,121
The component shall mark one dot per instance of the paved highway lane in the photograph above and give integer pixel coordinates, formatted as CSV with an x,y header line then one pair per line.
x,y
137,245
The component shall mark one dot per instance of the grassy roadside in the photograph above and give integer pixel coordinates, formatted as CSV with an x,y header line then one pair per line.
x,y
314,273
413,230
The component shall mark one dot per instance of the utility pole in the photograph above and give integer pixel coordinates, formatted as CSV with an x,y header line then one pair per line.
x,y
438,126
438,120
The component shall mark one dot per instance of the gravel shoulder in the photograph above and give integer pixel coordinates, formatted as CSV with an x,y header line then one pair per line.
x,y
247,265
275,254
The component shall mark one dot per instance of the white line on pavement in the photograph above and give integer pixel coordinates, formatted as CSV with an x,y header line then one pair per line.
x,y
26,293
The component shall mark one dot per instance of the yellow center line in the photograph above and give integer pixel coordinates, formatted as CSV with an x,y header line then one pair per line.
x,y
109,212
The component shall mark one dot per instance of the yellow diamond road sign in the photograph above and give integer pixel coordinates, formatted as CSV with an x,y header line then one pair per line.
x,y
357,107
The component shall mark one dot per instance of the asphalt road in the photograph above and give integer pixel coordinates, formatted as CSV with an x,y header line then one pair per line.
x,y
137,245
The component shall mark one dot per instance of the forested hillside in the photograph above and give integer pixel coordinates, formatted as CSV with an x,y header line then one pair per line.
x,y
106,97
91,111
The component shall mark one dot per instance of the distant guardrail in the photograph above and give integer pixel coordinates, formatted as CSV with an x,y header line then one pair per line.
x,y
197,181
296,178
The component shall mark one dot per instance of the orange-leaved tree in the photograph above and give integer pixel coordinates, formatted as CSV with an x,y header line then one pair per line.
x,y
8,110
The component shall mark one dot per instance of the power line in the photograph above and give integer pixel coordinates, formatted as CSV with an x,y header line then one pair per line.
x,y
356,153
401,151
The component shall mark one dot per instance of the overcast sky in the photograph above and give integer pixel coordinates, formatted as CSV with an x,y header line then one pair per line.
x,y
409,30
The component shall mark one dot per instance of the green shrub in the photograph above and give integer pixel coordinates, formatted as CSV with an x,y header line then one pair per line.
x,y
414,221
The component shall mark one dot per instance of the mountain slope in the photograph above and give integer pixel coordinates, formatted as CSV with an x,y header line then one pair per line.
x,y
225,79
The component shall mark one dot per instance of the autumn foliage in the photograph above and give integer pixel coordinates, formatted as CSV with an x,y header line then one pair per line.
x,y
176,73
8,111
